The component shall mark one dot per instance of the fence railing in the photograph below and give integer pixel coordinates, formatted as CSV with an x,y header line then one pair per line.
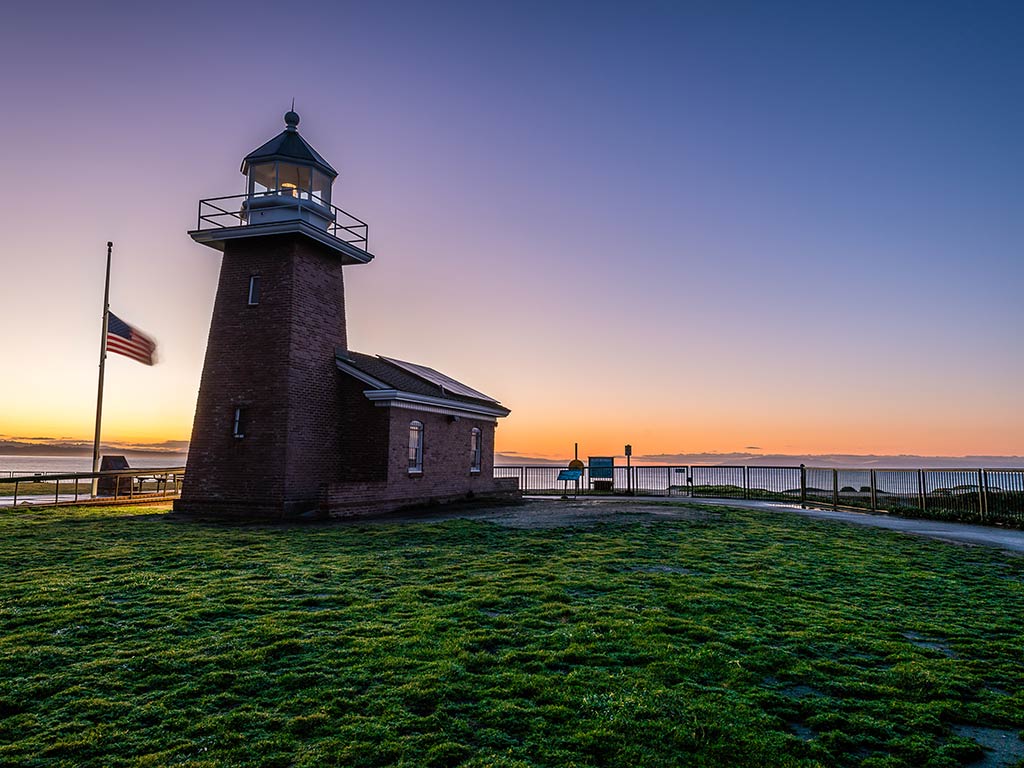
x,y
992,496
112,486
230,211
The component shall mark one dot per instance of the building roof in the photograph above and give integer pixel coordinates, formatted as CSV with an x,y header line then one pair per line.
x,y
391,379
289,146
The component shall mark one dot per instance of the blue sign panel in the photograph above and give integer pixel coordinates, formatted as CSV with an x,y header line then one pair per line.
x,y
570,474
602,467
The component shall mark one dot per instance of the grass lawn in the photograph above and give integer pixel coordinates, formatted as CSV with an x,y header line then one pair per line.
x,y
738,637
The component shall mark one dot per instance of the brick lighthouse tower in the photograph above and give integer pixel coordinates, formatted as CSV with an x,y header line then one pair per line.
x,y
289,419
265,430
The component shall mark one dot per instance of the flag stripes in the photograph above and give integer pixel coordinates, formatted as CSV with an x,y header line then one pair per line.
x,y
128,341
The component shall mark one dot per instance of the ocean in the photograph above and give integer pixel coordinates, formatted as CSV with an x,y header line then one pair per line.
x,y
27,465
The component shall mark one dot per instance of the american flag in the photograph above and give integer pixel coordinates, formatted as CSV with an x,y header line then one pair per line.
x,y
128,341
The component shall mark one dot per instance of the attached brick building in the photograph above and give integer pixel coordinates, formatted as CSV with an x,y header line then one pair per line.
x,y
288,419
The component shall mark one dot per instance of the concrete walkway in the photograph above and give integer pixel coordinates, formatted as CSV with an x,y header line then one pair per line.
x,y
1008,539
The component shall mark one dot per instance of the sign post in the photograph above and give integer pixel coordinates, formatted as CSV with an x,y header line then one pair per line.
x,y
567,475
577,466
629,471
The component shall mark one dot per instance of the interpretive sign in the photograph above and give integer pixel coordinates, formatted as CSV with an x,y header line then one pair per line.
x,y
570,474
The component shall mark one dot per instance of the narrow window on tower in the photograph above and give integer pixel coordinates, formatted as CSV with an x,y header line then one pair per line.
x,y
474,450
238,429
254,290
415,448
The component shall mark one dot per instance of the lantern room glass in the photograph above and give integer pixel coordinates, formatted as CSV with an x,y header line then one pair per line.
x,y
262,179
291,180
321,188
294,180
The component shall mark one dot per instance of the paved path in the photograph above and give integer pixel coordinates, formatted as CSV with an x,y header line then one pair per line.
x,y
958,533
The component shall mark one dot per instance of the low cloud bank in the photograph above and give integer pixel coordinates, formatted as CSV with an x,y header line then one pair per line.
x,y
65,447
842,460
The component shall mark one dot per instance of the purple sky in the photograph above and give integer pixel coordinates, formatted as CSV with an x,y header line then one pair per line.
x,y
693,227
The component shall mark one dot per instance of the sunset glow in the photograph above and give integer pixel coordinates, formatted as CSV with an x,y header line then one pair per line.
x,y
681,246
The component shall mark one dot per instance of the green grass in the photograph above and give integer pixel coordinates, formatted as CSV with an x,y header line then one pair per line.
x,y
748,639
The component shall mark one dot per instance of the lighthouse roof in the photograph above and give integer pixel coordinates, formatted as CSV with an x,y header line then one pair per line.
x,y
397,379
289,146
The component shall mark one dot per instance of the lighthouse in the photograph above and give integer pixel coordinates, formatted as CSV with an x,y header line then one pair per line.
x,y
289,420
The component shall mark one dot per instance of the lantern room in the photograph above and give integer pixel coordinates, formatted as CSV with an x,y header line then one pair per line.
x,y
287,166
288,190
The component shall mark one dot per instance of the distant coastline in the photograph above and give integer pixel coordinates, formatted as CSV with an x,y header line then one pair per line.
x,y
18,456
830,460
74,455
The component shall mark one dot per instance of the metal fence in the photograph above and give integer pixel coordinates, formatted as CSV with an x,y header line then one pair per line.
x,y
992,496
113,486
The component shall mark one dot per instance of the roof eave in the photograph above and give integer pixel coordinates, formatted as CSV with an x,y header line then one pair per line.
x,y
389,396
324,168
384,393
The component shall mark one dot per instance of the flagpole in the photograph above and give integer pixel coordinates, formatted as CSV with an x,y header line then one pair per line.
x,y
103,357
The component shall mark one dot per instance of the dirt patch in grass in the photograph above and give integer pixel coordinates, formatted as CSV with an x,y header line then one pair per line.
x,y
535,514
932,644
1002,747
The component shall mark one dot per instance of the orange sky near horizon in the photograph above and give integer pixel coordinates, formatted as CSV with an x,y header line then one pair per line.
x,y
548,425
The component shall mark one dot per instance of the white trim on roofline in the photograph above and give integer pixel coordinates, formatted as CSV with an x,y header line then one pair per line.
x,y
398,399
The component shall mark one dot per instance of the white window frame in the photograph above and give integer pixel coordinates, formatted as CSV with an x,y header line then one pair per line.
x,y
254,282
416,453
476,440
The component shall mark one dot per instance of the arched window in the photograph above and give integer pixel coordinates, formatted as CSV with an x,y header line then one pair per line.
x,y
415,447
475,450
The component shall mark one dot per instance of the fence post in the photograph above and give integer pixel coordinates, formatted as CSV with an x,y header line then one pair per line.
x,y
668,485
15,502
922,491
803,486
835,489
982,493
56,493
746,482
874,492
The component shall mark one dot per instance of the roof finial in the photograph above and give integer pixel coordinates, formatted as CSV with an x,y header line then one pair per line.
x,y
291,118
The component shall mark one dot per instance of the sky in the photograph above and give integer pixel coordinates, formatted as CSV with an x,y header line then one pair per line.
x,y
693,227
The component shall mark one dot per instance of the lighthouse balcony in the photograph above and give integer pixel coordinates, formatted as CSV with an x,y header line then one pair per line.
x,y
274,212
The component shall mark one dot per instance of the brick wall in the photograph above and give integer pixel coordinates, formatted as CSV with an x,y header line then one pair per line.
x,y
446,457
313,455
364,432
446,474
343,500
246,364
276,359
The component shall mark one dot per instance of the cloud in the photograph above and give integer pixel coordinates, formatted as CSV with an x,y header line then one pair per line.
x,y
64,447
519,459
752,447
165,445
834,460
